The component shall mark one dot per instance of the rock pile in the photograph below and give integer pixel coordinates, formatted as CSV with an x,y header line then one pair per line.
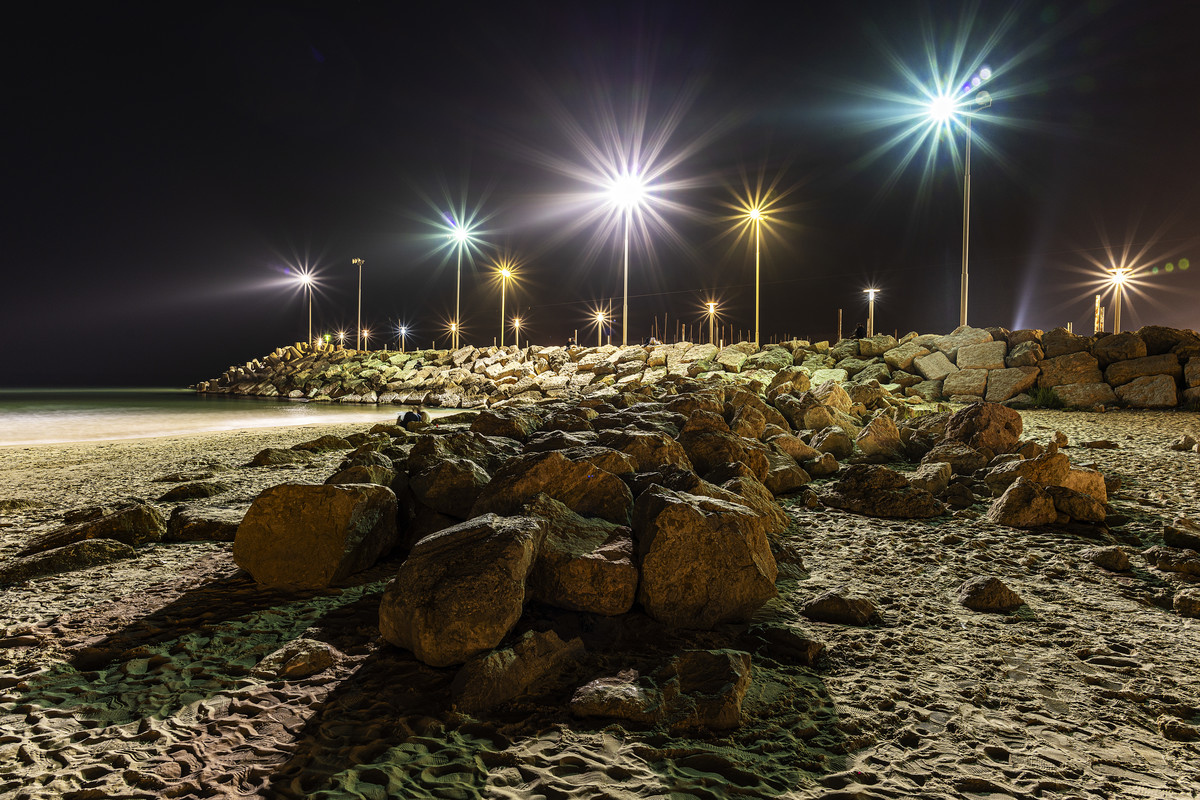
x,y
1155,367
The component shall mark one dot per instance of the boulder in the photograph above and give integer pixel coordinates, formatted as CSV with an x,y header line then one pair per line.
x,y
1119,347
1004,384
901,358
299,658
1024,504
1078,506
490,679
985,355
962,458
1122,372
988,593
1087,481
876,345
509,422
579,486
1160,339
1182,532
277,457
1186,602
703,561
784,474
193,491
1156,391
966,382
793,446
876,491
625,696
1076,367
960,337
935,366
134,524
834,441
1047,469
987,427
68,558
585,564
323,443
1024,354
1085,395
1061,342
651,450
839,608
1112,558
708,449
300,536
364,473
933,477
203,524
880,440
830,393
1191,373
449,486
461,590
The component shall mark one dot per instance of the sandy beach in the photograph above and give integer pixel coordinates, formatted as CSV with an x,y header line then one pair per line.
x,y
142,679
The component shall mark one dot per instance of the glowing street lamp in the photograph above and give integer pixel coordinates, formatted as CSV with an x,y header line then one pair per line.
x,y
460,234
626,192
755,215
600,318
944,109
359,263
1119,276
712,314
453,332
341,335
306,281
505,272
871,310
403,331
517,331
366,335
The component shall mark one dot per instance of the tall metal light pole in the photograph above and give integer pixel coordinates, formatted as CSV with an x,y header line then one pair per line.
x,y
626,192
756,215
870,311
712,313
505,274
1119,276
982,100
306,281
517,331
599,329
403,336
358,331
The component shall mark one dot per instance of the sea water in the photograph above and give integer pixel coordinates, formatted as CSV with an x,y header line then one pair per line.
x,y
46,416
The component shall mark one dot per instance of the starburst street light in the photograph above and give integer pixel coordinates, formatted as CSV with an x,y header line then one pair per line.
x,y
626,192
358,262
506,270
600,318
306,281
403,331
1118,278
517,330
711,310
871,310
944,110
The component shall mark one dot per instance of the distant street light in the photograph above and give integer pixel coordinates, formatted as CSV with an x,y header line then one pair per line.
x,y
359,263
625,192
517,330
341,338
871,310
755,215
453,333
505,272
403,336
944,109
460,234
712,313
1119,276
366,335
599,328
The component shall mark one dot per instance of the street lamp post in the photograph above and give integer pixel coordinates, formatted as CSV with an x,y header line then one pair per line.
x,y
599,328
366,334
712,313
517,331
1119,276
505,274
359,263
626,192
756,216
871,310
306,281
403,336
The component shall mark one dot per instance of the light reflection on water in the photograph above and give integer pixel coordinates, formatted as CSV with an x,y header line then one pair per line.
x,y
47,416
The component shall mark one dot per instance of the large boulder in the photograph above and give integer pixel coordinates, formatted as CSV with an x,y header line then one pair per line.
x,y
966,383
962,458
1025,354
461,590
1160,339
1119,347
703,561
449,486
880,440
876,345
1061,342
203,524
1085,395
831,393
585,564
1048,469
1024,504
579,486
988,593
1152,391
962,336
902,357
876,491
708,449
1005,384
68,558
1122,372
490,679
987,427
1076,367
133,524
985,355
300,536
935,366
651,450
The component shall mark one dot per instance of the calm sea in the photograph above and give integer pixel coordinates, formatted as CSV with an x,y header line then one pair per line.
x,y
45,416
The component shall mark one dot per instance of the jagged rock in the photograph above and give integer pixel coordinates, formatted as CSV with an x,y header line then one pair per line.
x,y
1005,384
1087,481
703,561
901,358
625,696
1191,373
194,491
1187,604
299,658
960,337
966,382
822,467
877,491
985,355
364,473
1085,395
488,680
461,590
1076,367
962,458
134,524
579,486
1172,559
450,486
605,458
1024,354
276,457
1048,469
880,440
935,366
324,443
68,558
1076,505
988,427
1122,372
1157,391
707,449
987,593
1113,558
1061,342
784,475
1024,504
1183,444
748,422
584,564
1182,532
702,420
793,446
651,450
203,525
742,487
839,608
831,393
933,477
1160,339
300,536
509,422
1119,347
785,643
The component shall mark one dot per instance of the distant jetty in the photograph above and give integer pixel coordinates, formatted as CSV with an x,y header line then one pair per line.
x,y
1154,367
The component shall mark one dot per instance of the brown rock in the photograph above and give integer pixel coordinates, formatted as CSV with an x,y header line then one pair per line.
x,y
203,525
707,449
1024,354
68,558
877,491
987,427
839,608
1024,504
1048,469
1076,505
490,679
1119,347
134,524
579,486
986,593
1182,532
300,536
1122,372
985,355
1060,342
1075,367
449,486
1004,384
1157,391
1085,395
1187,602
966,382
703,561
962,458
1113,559
509,422
461,590
651,450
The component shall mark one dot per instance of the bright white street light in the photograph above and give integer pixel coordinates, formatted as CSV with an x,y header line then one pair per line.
x,y
1119,276
626,192
871,310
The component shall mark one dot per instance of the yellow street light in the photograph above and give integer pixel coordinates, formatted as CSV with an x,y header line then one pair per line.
x,y
517,330
306,281
506,270
366,334
1119,276
358,262
712,314
599,328
403,331
871,310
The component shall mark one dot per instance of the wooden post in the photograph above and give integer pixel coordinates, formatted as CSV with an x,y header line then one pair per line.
x,y
839,335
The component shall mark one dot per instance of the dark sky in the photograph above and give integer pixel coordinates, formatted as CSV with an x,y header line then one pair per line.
x,y
164,165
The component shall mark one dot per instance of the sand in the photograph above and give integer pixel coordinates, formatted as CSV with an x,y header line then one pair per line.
x,y
138,679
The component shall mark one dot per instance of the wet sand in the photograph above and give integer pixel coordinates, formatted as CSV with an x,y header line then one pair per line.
x,y
138,679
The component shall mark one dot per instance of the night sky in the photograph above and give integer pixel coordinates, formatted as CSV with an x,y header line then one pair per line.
x,y
167,167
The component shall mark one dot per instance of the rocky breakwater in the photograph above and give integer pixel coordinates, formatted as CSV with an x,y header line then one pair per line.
x,y
1154,367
